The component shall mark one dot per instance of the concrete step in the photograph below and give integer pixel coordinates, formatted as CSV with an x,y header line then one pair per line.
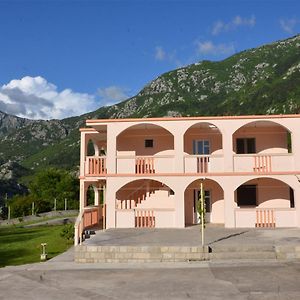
x,y
242,255
241,248
287,252
123,254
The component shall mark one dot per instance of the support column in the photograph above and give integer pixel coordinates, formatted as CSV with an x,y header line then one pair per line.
x,y
82,195
110,200
179,207
228,151
297,202
296,148
229,206
179,151
111,149
83,150
96,196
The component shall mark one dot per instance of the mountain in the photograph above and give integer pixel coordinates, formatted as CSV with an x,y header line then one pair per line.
x,y
264,80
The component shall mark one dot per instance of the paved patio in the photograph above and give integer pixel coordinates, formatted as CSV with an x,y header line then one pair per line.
x,y
191,236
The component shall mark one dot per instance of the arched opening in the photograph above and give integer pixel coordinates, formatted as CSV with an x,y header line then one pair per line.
x,y
214,202
265,202
145,139
262,147
203,148
144,149
91,148
264,192
262,137
203,139
145,203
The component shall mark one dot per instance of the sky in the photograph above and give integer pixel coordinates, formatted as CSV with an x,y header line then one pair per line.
x,y
65,58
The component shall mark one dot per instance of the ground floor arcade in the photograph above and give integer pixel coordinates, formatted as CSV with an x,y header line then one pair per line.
x,y
170,201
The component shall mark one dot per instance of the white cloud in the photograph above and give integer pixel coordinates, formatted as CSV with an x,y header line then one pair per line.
x,y
112,95
160,53
36,98
288,25
208,47
236,22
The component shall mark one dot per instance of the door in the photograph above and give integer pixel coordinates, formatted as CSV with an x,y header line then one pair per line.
x,y
207,201
201,147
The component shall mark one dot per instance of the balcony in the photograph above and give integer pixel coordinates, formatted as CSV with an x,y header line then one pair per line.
x,y
263,163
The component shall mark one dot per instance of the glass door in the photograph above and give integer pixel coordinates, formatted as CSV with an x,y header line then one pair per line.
x,y
201,147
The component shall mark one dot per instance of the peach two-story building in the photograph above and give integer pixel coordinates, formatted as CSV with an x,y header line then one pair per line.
x,y
147,172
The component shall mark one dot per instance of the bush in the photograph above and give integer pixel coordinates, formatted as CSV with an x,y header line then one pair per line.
x,y
68,232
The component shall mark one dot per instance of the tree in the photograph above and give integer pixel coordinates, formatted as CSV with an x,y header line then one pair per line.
x,y
56,184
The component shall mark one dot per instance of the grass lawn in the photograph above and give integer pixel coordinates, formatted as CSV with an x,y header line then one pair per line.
x,y
23,245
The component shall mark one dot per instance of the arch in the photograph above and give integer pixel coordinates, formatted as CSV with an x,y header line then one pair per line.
x,y
214,201
132,188
262,136
145,203
204,132
91,148
264,192
137,138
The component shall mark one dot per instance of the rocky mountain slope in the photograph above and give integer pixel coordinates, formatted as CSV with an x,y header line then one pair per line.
x,y
264,80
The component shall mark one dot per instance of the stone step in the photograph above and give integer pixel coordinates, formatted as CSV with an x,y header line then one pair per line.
x,y
123,254
98,254
287,252
241,248
242,255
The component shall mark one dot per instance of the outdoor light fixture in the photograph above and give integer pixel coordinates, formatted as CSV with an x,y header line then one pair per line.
x,y
43,254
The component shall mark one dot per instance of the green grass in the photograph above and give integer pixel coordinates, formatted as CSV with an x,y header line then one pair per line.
x,y
23,245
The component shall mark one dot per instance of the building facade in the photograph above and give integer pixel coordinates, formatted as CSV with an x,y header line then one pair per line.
x,y
147,172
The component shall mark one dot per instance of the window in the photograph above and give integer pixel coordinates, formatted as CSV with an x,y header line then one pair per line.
x,y
148,143
246,195
245,145
201,147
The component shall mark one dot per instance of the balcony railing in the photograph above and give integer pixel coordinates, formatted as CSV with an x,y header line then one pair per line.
x,y
200,164
95,165
265,217
263,163
145,164
203,164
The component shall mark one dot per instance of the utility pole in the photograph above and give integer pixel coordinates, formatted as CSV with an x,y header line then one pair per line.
x,y
66,203
32,208
54,204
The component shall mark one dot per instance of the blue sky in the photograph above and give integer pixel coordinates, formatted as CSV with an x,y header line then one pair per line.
x,y
63,58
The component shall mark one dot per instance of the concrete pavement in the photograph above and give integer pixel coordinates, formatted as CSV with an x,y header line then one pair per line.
x,y
201,280
62,278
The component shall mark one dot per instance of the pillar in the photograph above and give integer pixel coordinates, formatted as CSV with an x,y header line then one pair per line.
x,y
111,149
83,150
82,195
227,141
179,221
110,200
229,206
179,151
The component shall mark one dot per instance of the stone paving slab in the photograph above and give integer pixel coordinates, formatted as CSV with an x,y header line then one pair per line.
x,y
176,245
214,235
